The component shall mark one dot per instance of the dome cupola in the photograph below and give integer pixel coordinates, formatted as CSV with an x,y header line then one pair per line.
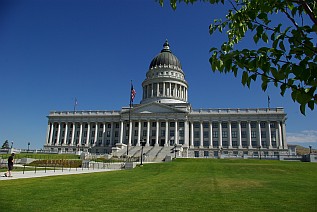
x,y
165,80
165,58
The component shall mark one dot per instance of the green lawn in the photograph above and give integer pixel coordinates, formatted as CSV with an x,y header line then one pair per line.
x,y
181,185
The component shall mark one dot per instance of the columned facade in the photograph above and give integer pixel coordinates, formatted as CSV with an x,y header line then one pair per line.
x,y
165,119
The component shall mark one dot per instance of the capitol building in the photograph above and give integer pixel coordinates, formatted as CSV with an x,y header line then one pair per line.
x,y
165,121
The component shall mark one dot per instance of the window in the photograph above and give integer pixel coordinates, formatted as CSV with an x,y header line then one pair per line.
x,y
224,134
108,133
172,124
253,124
243,124
163,124
262,124
196,134
253,134
206,134
181,133
196,154
136,132
162,132
117,125
196,124
263,134
181,124
100,133
153,124
153,132
234,125
215,124
144,124
243,134
144,133
172,133
234,134
206,154
136,124
272,124
116,134
206,125
224,125
215,134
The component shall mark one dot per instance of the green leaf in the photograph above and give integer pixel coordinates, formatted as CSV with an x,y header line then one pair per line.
x,y
302,108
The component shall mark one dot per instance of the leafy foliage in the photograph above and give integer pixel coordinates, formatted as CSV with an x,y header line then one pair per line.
x,y
287,53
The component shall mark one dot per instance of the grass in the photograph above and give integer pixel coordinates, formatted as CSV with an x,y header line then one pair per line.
x,y
181,185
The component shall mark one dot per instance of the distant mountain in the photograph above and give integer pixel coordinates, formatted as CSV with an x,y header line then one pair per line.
x,y
303,150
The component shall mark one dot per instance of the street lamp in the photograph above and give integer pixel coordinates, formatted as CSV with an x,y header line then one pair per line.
x,y
175,145
260,151
143,142
27,153
310,149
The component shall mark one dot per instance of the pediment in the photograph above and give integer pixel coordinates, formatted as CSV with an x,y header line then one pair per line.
x,y
155,107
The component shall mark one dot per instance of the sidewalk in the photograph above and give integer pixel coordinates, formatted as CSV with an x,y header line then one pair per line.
x,y
42,173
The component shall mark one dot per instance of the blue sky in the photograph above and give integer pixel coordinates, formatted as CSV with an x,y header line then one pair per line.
x,y
52,51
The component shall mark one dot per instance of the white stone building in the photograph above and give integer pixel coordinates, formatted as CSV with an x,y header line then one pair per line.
x,y
164,119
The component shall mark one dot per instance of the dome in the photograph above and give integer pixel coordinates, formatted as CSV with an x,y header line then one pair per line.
x,y
166,58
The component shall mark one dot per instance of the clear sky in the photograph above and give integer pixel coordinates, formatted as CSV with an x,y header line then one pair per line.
x,y
53,51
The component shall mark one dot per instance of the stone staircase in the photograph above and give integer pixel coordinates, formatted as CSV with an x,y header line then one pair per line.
x,y
151,153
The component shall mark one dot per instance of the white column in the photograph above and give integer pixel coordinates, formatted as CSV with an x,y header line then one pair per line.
x,y
176,133
201,143
66,132
88,135
148,133
239,135
157,89
210,135
73,133
269,139
96,133
103,134
191,142
111,134
229,134
152,89
284,135
249,135
259,139
51,134
58,133
139,133
48,133
121,132
157,133
186,136
164,92
166,133
80,133
130,133
220,134
280,144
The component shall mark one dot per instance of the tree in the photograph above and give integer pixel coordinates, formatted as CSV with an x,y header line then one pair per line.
x,y
5,145
286,54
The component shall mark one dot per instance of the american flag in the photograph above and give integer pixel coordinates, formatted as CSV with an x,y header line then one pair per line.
x,y
133,93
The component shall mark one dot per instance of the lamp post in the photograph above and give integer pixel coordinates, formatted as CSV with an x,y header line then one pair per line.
x,y
143,142
260,152
27,153
175,150
310,149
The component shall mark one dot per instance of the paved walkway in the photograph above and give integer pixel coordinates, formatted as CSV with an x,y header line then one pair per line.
x,y
42,173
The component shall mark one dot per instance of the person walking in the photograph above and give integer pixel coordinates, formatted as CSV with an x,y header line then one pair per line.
x,y
10,165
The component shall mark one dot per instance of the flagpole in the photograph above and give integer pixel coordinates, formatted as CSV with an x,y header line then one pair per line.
x,y
75,104
129,121
268,101
132,95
